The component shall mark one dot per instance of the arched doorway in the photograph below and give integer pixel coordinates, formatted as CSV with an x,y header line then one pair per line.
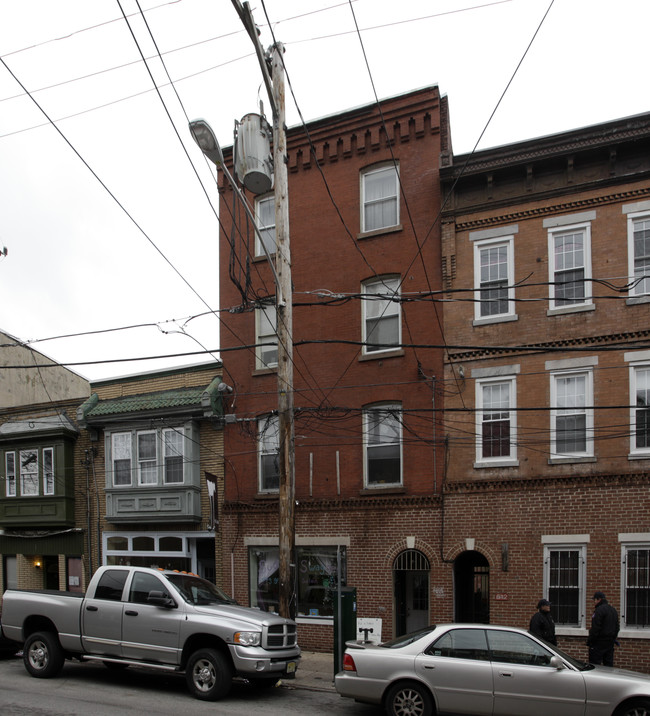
x,y
471,588
411,588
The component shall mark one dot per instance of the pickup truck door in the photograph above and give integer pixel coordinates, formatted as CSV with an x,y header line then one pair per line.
x,y
150,632
101,615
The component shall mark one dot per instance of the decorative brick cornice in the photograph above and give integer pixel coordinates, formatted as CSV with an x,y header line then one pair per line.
x,y
562,208
349,505
564,482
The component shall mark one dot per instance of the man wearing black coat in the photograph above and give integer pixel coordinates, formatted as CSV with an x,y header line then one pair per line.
x,y
542,624
603,632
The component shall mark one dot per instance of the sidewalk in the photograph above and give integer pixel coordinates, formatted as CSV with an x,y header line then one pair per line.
x,y
315,672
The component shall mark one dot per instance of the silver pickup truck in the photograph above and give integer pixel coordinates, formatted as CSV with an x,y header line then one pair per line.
x,y
160,619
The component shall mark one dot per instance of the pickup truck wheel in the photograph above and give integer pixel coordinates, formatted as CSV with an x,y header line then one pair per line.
x,y
42,655
208,675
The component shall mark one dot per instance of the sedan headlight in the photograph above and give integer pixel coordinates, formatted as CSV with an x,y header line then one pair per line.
x,y
248,638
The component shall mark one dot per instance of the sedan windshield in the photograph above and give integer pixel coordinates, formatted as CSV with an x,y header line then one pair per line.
x,y
195,590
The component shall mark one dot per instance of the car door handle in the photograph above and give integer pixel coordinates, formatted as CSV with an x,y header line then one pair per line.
x,y
131,613
505,673
429,666
92,609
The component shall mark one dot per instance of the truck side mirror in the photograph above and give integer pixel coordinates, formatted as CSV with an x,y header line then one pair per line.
x,y
160,599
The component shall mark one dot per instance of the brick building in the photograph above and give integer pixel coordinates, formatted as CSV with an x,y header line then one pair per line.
x,y
546,257
363,202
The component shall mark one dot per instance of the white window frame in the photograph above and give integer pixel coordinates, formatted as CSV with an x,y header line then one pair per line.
x,y
268,444
370,445
170,450
266,337
266,229
380,310
568,546
588,411
130,438
29,474
394,197
643,287
634,408
629,542
481,384
506,242
48,475
148,466
554,271
10,474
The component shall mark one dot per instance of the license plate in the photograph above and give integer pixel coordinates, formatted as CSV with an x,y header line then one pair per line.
x,y
291,667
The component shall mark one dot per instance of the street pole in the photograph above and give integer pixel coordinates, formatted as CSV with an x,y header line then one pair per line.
x,y
284,316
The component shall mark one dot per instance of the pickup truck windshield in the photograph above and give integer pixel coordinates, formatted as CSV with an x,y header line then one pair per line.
x,y
198,591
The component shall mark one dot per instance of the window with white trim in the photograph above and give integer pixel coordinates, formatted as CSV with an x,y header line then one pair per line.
x,y
638,232
570,266
381,315
266,337
572,415
635,602
10,474
265,217
379,198
382,429
147,458
28,461
496,424
564,583
640,411
48,471
494,269
268,446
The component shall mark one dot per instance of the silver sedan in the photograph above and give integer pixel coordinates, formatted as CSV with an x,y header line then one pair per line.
x,y
485,670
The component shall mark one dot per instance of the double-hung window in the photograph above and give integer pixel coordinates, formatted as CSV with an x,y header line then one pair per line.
x,y
266,338
173,455
48,471
638,233
265,216
572,414
640,410
635,578
10,474
494,279
496,427
570,266
379,198
564,583
147,458
28,472
383,445
381,315
268,446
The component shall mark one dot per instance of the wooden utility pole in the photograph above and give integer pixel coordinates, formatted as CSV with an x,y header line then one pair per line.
x,y
284,316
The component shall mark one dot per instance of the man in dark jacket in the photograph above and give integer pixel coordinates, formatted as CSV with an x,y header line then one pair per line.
x,y
603,632
542,624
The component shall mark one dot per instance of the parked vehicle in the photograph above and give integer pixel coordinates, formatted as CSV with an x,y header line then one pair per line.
x,y
480,669
160,619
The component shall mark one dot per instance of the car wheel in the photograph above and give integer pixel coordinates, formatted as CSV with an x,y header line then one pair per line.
x,y
408,699
639,707
208,675
42,655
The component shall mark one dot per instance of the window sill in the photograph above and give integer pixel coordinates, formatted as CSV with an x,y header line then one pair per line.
x,y
635,300
262,257
324,621
378,355
638,456
267,495
380,232
632,633
567,460
487,320
496,463
265,371
571,309
570,631
380,490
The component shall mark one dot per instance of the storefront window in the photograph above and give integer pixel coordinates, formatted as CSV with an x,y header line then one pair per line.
x,y
316,579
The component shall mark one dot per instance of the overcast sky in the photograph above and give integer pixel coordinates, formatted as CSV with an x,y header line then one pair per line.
x,y
107,208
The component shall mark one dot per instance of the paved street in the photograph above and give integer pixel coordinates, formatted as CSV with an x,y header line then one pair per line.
x,y
84,689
